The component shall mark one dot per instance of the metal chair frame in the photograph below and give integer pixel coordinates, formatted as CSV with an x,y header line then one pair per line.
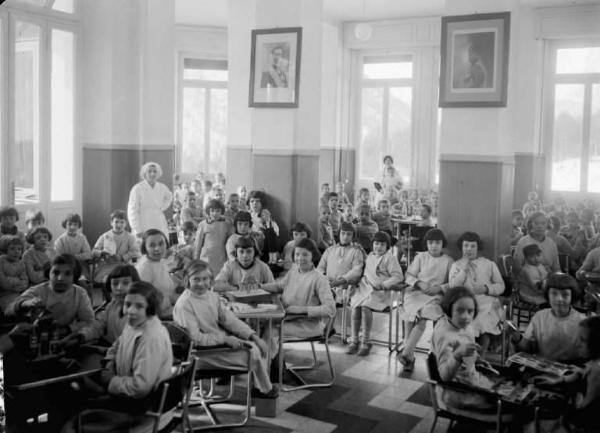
x,y
393,310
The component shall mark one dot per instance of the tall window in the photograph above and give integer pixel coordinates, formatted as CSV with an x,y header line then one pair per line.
x,y
203,133
386,114
573,120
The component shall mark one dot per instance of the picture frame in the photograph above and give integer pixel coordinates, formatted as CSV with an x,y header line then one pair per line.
x,y
474,60
275,67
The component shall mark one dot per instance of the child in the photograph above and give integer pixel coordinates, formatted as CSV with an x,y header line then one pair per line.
x,y
532,204
245,271
8,222
343,264
299,231
270,231
189,211
325,238
152,268
181,254
212,235
13,276
453,343
572,231
233,206
218,193
382,271
532,275
115,246
364,199
587,224
348,214
210,323
73,242
325,190
366,227
425,213
242,223
517,227
551,330
342,196
207,187
303,290
383,217
68,303
38,258
336,216
34,219
427,277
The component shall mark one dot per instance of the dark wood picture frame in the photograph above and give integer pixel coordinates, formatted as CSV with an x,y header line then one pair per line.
x,y
275,67
474,60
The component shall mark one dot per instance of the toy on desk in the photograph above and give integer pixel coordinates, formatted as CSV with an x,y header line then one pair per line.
x,y
44,337
253,296
540,364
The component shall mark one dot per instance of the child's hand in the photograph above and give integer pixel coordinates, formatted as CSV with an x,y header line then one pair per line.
x,y
260,343
432,290
548,380
234,342
31,303
339,282
464,349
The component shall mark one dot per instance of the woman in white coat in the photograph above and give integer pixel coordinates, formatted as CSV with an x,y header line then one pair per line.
x,y
148,200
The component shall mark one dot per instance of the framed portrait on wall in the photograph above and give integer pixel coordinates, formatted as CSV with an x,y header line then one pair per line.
x,y
275,67
474,60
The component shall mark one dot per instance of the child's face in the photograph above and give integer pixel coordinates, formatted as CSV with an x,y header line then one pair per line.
x,y
234,202
299,235
435,247
156,247
463,311
188,237
582,342
379,248
325,215
517,221
560,301
532,196
207,187
303,258
244,256
424,212
469,250
536,260
13,252
8,221
214,213
243,192
134,308
255,205
191,201
61,278
219,195
72,227
384,208
200,282
387,162
333,203
326,189
364,196
265,215
119,287
40,241
118,225
346,237
243,227
364,215
349,211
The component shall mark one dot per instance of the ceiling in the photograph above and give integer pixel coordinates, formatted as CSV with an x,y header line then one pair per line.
x,y
214,12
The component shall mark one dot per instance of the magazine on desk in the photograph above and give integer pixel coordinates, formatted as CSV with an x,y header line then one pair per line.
x,y
540,364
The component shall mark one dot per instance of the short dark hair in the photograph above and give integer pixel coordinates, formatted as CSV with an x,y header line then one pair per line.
x,y
555,222
300,226
435,235
531,250
310,245
246,242
426,206
346,226
188,226
561,281
119,214
242,216
388,157
30,238
363,189
469,237
592,324
150,293
8,240
9,211
517,212
34,215
452,295
233,194
214,204
71,218
120,271
65,259
152,232
194,267
383,237
363,207
333,195
534,215
256,194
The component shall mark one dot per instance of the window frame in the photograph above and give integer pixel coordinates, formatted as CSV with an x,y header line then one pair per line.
x,y
551,79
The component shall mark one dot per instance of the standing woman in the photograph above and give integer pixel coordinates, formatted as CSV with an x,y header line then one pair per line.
x,y
148,200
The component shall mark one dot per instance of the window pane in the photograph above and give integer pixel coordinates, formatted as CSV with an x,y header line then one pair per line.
x,y
567,137
64,6
192,153
205,74
25,155
218,130
399,130
578,60
371,133
62,125
594,167
387,70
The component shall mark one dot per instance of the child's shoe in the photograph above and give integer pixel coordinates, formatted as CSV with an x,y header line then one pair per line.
x,y
364,349
352,349
407,362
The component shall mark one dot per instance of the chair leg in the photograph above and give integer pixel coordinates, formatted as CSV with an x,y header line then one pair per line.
x,y
432,428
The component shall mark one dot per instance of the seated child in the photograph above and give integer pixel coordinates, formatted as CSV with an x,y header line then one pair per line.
x,y
532,275
242,224
348,214
115,246
34,219
382,271
587,224
304,291
299,231
562,244
218,193
366,227
550,332
425,214
8,222
233,206
572,231
246,271
453,343
336,216
243,194
212,235
342,196
383,217
13,276
325,238
73,242
343,263
532,204
427,277
68,303
517,227
210,323
189,211
270,232
364,199
152,268
325,190
590,264
37,259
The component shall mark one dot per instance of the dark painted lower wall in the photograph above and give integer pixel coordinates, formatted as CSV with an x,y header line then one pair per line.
x,y
335,165
529,176
109,174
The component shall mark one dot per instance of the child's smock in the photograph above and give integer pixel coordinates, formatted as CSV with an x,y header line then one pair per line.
x,y
381,272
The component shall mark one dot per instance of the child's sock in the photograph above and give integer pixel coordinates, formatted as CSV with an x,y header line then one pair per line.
x,y
356,322
367,324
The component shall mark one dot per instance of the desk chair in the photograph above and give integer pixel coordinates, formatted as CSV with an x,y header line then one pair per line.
x,y
294,370
181,343
516,306
441,409
392,310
